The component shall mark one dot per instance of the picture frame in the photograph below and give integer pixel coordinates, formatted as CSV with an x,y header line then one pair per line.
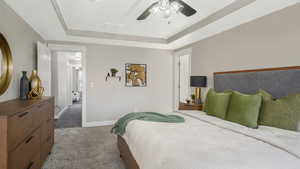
x,y
135,75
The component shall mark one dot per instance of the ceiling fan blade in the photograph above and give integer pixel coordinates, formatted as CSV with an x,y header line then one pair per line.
x,y
187,10
147,12
133,7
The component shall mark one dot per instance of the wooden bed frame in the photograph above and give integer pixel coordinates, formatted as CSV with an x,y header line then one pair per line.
x,y
125,152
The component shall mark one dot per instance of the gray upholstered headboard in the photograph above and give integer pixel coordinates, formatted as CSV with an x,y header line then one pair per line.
x,y
279,82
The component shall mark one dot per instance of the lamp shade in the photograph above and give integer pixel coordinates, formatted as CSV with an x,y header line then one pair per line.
x,y
198,81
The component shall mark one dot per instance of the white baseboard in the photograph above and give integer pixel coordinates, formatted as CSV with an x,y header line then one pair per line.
x,y
98,124
61,112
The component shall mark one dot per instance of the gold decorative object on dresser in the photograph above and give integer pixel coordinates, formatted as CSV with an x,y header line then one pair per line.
x,y
26,133
36,89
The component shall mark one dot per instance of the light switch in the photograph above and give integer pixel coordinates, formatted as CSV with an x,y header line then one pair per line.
x,y
92,84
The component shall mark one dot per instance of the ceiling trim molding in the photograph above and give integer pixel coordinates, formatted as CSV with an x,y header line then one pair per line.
x,y
101,35
227,10
61,47
184,51
59,15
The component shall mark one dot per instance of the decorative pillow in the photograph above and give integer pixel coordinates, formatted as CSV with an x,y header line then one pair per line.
x,y
282,113
265,95
216,104
244,109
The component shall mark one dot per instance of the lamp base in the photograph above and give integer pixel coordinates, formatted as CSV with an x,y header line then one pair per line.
x,y
198,96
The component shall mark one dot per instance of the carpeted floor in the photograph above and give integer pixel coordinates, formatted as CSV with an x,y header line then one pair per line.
x,y
71,117
84,148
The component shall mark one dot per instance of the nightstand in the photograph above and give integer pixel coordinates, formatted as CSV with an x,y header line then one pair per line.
x,y
185,106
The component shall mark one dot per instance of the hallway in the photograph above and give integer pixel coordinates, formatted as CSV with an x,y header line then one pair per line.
x,y
71,118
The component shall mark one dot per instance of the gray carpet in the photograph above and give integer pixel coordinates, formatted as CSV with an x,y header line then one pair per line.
x,y
84,148
71,118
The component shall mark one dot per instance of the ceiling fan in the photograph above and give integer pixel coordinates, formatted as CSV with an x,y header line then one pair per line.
x,y
167,8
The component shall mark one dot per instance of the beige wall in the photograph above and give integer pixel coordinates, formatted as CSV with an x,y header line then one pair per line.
x,y
271,41
107,101
22,40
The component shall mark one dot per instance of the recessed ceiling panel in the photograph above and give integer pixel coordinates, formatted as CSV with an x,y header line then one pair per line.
x,y
79,20
119,16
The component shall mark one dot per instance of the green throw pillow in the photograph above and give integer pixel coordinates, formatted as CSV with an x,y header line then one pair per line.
x,y
265,95
244,109
282,113
216,104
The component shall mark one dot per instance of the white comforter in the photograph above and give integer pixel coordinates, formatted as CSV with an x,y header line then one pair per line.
x,y
205,142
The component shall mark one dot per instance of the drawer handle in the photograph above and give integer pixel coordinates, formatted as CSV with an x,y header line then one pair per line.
x,y
30,165
29,139
23,114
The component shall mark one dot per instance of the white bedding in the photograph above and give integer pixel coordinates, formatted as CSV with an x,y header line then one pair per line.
x,y
205,142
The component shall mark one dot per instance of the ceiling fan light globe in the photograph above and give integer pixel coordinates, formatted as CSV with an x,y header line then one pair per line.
x,y
167,13
155,9
164,4
166,8
176,6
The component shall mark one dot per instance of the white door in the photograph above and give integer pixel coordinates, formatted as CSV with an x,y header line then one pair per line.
x,y
184,78
44,67
182,73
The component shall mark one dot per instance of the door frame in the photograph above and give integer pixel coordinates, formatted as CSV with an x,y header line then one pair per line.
x,y
177,54
42,50
82,49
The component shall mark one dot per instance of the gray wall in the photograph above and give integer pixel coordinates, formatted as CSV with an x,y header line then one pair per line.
x,y
22,40
271,41
107,101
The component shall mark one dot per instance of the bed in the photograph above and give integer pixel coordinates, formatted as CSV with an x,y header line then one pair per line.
x,y
206,142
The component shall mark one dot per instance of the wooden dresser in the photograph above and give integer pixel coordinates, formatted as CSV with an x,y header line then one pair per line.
x,y
26,133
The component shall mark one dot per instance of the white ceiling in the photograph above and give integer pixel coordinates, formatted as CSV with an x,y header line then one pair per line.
x,y
119,16
114,22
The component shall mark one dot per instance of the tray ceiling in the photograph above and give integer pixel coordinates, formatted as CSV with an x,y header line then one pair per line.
x,y
119,16
114,22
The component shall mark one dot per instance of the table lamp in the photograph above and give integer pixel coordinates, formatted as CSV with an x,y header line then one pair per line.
x,y
198,82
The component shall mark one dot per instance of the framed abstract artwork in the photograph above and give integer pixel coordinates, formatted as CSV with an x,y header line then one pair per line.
x,y
135,75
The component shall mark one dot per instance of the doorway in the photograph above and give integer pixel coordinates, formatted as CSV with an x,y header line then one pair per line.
x,y
67,84
184,78
182,75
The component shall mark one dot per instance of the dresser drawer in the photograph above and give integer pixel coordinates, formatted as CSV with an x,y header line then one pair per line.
x,y
37,116
50,110
47,110
27,152
42,114
46,149
46,128
35,163
19,126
